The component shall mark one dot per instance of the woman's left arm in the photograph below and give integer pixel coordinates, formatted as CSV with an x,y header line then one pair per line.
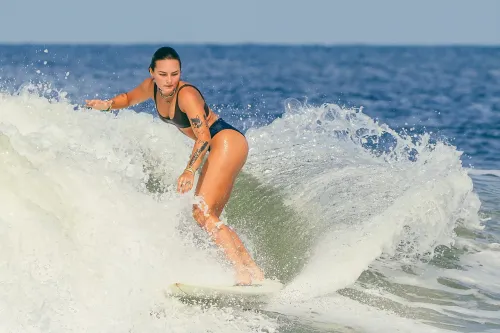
x,y
193,105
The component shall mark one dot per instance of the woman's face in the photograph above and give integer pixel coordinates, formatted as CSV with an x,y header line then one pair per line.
x,y
167,74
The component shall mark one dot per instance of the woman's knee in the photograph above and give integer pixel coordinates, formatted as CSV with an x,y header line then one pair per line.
x,y
206,219
200,215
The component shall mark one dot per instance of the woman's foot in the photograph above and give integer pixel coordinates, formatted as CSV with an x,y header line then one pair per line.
x,y
243,277
256,272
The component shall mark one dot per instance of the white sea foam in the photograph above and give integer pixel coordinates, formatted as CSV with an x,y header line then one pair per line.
x,y
85,245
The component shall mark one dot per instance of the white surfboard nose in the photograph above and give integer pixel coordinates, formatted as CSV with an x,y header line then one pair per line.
x,y
257,292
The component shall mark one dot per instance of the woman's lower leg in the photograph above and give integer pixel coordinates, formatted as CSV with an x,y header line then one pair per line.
x,y
223,237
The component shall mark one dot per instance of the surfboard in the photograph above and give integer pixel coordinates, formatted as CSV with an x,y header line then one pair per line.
x,y
259,292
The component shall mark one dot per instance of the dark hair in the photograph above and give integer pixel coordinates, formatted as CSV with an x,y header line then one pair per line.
x,y
164,53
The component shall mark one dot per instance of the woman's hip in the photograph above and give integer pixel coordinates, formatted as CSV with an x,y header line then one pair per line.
x,y
228,138
220,125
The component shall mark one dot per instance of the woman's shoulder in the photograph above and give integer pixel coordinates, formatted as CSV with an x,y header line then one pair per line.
x,y
148,85
188,92
185,84
188,88
148,82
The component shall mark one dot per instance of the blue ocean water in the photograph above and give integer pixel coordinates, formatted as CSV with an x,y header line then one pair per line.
x,y
373,193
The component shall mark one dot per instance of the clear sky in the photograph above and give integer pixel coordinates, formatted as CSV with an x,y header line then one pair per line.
x,y
251,21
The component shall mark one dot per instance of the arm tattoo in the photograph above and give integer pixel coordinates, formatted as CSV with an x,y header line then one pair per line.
x,y
196,122
197,154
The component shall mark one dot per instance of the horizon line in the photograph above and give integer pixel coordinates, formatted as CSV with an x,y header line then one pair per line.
x,y
279,44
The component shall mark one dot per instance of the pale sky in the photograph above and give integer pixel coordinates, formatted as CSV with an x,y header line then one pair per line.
x,y
251,21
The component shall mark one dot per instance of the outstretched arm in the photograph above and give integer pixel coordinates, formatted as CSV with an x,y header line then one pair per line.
x,y
137,95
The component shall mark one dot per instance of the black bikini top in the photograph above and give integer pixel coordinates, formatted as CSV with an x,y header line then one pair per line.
x,y
180,118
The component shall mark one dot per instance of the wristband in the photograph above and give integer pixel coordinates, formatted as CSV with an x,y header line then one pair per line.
x,y
110,105
190,170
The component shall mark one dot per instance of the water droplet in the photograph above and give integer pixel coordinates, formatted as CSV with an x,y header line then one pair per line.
x,y
292,105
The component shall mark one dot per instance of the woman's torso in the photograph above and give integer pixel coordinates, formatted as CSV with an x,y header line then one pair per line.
x,y
170,111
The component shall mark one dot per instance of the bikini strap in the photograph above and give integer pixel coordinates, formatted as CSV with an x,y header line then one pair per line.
x,y
177,107
154,94
189,85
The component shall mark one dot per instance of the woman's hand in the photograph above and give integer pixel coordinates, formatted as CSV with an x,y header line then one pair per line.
x,y
185,181
99,104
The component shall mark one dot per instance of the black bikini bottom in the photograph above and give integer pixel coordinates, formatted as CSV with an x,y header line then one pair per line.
x,y
220,125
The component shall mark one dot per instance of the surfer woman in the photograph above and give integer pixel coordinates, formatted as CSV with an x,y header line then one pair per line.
x,y
183,105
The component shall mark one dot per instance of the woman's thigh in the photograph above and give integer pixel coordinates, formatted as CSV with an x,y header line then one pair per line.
x,y
228,154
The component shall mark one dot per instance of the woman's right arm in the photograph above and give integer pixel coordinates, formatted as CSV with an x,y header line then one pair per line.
x,y
137,95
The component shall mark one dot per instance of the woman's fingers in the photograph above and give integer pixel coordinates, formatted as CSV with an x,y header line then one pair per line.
x,y
187,186
184,187
179,182
184,184
91,103
96,103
